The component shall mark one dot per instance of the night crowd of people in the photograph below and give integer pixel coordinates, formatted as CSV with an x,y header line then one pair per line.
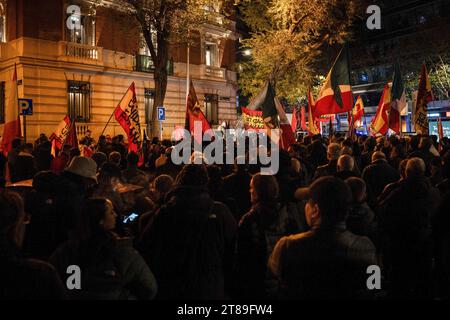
x,y
336,206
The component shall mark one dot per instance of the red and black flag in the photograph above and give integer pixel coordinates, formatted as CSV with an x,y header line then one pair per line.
x,y
194,113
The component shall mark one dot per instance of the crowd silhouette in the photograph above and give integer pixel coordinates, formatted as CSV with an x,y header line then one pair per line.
x,y
336,206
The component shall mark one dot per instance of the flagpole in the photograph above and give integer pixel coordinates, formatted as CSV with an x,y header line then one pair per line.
x,y
109,120
18,106
187,72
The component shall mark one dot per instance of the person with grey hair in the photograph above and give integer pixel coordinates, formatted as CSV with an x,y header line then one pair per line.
x,y
115,158
404,221
415,167
330,169
377,176
345,167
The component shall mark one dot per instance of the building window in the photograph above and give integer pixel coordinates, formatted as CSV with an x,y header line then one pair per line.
x,y
212,108
79,103
149,99
144,60
2,102
83,27
143,48
2,23
211,54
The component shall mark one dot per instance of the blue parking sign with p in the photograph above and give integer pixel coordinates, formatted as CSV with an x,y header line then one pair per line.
x,y
161,113
26,107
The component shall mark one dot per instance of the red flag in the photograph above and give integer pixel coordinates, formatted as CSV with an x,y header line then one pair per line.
x,y
11,128
127,114
287,136
72,138
303,123
294,122
194,113
440,130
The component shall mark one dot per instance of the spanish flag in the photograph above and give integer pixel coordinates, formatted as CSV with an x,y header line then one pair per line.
x,y
380,123
336,94
358,110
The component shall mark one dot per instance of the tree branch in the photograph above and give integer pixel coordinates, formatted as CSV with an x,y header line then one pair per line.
x,y
297,23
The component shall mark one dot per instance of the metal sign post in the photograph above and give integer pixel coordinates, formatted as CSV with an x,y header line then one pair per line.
x,y
161,117
26,109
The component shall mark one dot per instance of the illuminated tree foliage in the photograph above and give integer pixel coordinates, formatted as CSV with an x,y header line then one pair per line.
x,y
287,40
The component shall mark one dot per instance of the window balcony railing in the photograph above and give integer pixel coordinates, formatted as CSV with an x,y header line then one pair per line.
x,y
81,51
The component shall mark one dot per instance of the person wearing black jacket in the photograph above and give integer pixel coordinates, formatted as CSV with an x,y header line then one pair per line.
x,y
328,261
111,268
190,242
377,176
22,278
330,169
236,186
405,224
259,230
